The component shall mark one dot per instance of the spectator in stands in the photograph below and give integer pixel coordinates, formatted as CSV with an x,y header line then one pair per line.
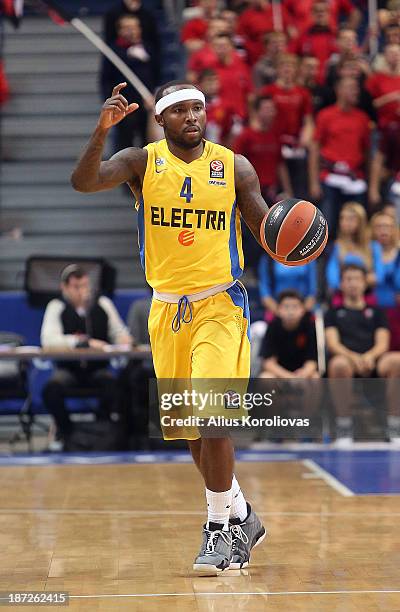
x,y
357,339
389,13
80,320
389,209
265,71
289,347
205,57
294,105
384,88
347,49
386,232
318,39
134,8
339,153
385,167
234,74
231,20
308,79
300,14
134,379
261,144
222,118
391,37
274,277
131,48
353,246
255,22
354,69
194,32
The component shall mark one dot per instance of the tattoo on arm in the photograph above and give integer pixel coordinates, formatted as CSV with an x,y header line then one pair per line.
x,y
248,195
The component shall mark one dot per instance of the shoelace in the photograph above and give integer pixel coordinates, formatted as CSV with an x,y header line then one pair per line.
x,y
212,537
238,534
183,305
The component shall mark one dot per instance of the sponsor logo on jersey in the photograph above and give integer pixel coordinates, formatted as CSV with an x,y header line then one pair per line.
x,y
216,169
186,238
217,183
160,165
188,218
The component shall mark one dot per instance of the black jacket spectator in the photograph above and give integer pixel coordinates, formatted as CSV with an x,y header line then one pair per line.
x,y
292,348
148,24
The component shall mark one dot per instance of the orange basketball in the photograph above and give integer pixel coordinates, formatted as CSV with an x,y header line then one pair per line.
x,y
294,232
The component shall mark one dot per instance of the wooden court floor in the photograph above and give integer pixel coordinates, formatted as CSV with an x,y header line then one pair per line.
x,y
133,530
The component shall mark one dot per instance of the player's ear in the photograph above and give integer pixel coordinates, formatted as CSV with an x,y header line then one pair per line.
x,y
160,120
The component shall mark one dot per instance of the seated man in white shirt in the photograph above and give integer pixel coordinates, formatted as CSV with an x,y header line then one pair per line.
x,y
79,319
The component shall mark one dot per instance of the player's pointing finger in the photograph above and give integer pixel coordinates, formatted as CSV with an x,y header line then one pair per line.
x,y
118,88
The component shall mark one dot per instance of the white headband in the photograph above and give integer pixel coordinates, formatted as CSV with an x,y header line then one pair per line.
x,y
182,95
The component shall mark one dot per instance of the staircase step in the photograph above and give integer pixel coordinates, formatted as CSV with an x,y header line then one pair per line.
x,y
44,25
68,84
86,220
46,149
79,125
52,104
59,63
62,41
109,246
17,197
30,173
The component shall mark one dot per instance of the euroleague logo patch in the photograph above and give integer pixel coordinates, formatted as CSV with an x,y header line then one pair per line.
x,y
186,238
216,169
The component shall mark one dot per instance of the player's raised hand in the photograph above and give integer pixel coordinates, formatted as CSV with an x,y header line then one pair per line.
x,y
116,108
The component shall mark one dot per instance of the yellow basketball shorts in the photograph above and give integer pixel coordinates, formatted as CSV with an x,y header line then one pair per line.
x,y
208,353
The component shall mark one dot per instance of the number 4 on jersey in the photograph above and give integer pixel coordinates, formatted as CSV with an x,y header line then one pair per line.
x,y
186,191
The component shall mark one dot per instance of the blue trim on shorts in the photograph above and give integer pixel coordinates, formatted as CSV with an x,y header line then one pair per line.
x,y
236,270
239,297
141,232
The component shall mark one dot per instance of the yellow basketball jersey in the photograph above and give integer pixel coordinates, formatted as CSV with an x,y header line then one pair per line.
x,y
189,223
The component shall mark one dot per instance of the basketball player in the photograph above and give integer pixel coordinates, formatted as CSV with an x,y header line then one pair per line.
x,y
190,194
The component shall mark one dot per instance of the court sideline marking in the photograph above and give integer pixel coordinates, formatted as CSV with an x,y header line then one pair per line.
x,y
90,511
328,478
235,594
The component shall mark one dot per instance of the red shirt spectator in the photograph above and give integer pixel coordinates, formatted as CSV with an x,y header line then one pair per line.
x,y
194,29
318,40
293,105
196,32
203,59
253,23
293,102
384,87
220,112
261,144
234,75
299,12
344,137
263,150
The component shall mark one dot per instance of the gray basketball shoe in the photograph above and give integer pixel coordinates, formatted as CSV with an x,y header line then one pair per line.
x,y
215,553
245,537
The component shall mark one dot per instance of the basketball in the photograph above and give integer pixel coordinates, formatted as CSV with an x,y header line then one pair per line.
x,y
294,232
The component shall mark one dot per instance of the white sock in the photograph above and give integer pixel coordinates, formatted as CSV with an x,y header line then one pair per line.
x,y
218,507
239,505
